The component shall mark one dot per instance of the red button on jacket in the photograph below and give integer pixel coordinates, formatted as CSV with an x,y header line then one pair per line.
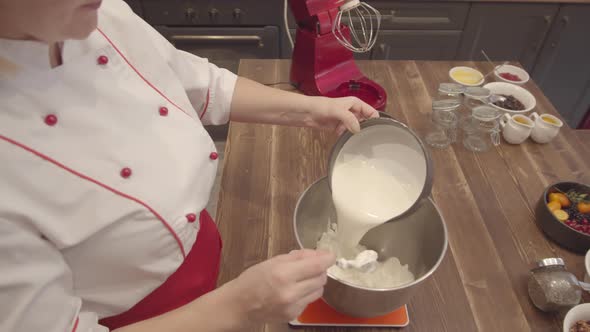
x,y
126,172
191,217
51,119
102,60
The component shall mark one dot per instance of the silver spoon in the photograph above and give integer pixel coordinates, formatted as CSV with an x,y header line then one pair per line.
x,y
492,99
365,261
491,63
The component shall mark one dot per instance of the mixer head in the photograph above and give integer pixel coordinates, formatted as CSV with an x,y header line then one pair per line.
x,y
364,22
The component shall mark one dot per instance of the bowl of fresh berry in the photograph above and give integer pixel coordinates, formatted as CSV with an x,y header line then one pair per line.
x,y
563,213
511,74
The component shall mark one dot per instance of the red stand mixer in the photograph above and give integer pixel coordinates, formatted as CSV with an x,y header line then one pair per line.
x,y
323,62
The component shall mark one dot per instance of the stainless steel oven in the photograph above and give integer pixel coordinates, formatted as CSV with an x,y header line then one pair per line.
x,y
225,46
223,31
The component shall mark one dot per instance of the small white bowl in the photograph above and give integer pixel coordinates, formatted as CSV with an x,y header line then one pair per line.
x,y
525,77
520,93
468,69
579,312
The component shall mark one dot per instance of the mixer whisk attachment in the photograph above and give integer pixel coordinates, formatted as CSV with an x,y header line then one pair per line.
x,y
364,23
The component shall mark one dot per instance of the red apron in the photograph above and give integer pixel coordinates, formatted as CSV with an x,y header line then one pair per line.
x,y
196,276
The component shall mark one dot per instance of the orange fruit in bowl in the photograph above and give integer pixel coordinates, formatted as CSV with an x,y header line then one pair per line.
x,y
561,198
560,215
554,205
584,207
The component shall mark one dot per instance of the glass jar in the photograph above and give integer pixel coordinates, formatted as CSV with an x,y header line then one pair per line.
x,y
481,129
445,121
551,287
445,108
475,97
450,92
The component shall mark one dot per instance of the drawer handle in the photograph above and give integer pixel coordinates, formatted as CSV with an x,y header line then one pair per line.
x,y
222,38
416,19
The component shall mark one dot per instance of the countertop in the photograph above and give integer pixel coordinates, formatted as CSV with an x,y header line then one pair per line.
x,y
487,200
584,135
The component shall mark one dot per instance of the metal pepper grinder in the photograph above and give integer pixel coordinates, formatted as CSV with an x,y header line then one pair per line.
x,y
552,288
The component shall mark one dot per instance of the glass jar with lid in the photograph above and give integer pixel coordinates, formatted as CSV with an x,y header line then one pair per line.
x,y
445,116
481,129
450,93
445,120
475,97
551,287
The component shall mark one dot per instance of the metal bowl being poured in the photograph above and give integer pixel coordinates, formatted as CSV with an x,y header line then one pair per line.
x,y
396,149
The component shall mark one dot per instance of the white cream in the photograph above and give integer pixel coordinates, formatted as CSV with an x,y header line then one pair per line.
x,y
377,176
387,274
365,196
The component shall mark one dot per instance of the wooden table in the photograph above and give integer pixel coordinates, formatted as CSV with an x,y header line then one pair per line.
x,y
486,199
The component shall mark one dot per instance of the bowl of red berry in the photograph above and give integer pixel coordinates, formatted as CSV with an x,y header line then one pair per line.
x,y
511,74
563,213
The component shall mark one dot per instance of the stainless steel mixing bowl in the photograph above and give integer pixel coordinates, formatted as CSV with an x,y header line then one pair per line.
x,y
418,239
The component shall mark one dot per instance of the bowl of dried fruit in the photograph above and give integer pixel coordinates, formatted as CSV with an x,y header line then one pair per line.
x,y
563,213
577,319
518,99
511,74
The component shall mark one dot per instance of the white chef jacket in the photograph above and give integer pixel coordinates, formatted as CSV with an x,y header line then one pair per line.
x,y
104,164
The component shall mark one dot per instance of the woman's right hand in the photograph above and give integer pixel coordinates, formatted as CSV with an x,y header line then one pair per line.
x,y
277,290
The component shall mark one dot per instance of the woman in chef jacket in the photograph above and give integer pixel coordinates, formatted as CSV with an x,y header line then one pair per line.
x,y
105,170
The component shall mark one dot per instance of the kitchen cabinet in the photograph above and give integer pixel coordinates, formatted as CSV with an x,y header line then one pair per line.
x,y
414,15
419,30
563,68
416,45
506,31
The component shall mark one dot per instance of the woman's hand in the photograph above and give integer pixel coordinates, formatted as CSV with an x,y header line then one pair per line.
x,y
277,290
336,114
254,102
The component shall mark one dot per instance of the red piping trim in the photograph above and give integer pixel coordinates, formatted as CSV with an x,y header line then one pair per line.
x,y
76,324
139,74
206,105
87,178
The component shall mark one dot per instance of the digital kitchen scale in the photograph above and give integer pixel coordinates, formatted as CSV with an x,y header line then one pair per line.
x,y
319,313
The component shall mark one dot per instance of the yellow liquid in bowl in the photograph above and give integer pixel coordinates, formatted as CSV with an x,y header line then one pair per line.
x,y
550,120
466,76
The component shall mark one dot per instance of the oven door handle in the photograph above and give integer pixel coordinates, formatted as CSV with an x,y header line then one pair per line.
x,y
220,38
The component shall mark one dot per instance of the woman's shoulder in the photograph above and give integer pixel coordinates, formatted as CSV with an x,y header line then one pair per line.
x,y
116,9
128,31
117,17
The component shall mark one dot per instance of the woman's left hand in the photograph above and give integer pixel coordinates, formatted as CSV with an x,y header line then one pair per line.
x,y
338,114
